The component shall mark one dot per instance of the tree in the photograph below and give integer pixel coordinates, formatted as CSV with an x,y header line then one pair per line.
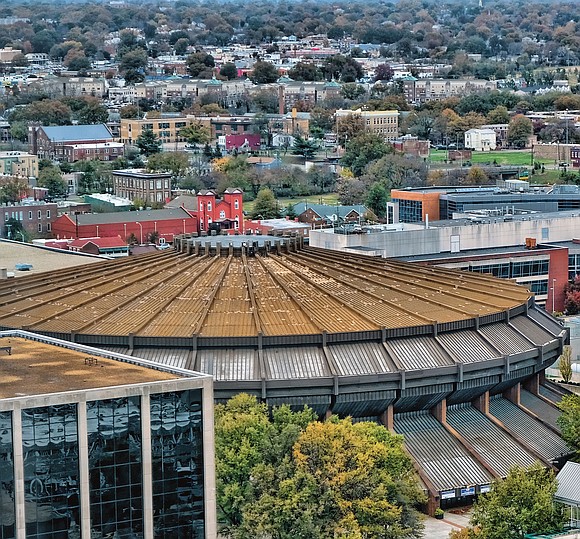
x,y
349,127
352,91
45,112
148,142
377,199
384,72
290,212
246,438
519,131
341,480
362,150
51,179
133,64
175,162
572,301
565,364
264,73
12,189
200,64
305,71
569,420
229,71
15,230
522,503
343,68
499,115
265,205
476,176
265,101
195,133
304,147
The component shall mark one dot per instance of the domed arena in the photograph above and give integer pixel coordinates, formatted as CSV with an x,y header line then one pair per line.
x,y
452,360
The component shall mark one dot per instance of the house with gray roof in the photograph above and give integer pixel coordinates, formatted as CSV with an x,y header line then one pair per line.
x,y
55,142
328,214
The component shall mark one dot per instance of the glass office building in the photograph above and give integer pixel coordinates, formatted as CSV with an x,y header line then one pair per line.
x,y
134,461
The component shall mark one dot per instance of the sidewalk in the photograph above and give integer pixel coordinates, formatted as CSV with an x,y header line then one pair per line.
x,y
440,529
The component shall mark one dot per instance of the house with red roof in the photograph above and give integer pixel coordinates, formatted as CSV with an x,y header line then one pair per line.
x,y
113,246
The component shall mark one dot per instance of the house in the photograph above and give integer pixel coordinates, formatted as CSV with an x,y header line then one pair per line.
x,y
276,227
326,214
226,213
58,142
481,140
112,246
409,145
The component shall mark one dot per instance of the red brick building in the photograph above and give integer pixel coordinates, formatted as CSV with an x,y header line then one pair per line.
x,y
226,213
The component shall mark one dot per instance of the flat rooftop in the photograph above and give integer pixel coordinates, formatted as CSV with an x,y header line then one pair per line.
x,y
41,258
35,368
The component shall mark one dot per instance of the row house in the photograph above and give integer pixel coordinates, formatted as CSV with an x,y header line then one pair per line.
x,y
310,93
56,142
36,218
55,87
419,91
20,164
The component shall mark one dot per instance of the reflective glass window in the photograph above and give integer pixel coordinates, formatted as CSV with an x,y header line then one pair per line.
x,y
115,457
177,465
51,471
7,516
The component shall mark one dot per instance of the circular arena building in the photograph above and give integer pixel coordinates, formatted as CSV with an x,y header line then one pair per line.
x,y
452,360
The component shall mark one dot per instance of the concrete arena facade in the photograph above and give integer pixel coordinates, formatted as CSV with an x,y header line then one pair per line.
x,y
344,334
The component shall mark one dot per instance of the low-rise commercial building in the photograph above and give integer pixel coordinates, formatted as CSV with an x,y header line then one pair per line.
x,y
19,164
384,123
137,184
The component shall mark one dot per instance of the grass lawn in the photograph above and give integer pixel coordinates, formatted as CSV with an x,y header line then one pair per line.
x,y
327,198
518,158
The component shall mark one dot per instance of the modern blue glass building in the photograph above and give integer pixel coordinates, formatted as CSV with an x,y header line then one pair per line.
x,y
97,445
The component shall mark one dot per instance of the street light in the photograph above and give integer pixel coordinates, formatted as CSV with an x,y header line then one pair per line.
x,y
184,227
141,227
553,294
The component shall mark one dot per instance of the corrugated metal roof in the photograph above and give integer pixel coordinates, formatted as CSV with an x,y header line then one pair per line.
x,y
175,357
230,364
532,331
416,353
541,408
360,358
64,133
569,484
439,454
537,436
495,447
295,362
506,339
467,346
550,395
545,320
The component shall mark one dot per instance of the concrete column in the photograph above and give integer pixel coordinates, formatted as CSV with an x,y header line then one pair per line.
x,y
387,418
18,452
146,465
209,485
481,403
440,411
84,485
532,384
513,394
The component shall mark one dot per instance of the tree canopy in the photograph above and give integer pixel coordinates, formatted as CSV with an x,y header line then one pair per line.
x,y
522,503
569,420
148,142
289,476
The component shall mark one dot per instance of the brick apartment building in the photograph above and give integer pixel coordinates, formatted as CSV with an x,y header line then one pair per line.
x,y
37,218
133,184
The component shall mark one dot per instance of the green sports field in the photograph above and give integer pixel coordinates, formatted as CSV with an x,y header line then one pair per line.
x,y
518,158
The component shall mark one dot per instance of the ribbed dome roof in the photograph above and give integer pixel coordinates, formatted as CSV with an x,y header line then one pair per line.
x,y
305,292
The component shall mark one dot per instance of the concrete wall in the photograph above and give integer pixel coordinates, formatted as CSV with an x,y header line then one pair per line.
x,y
420,241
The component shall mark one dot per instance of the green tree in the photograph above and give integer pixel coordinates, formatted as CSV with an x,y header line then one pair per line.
x,y
265,101
499,115
290,212
175,162
246,437
19,130
51,179
304,147
377,199
305,71
264,73
352,91
195,133
15,230
476,176
565,364
45,112
229,71
519,130
362,150
12,189
522,503
569,420
341,480
265,205
148,142
200,64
